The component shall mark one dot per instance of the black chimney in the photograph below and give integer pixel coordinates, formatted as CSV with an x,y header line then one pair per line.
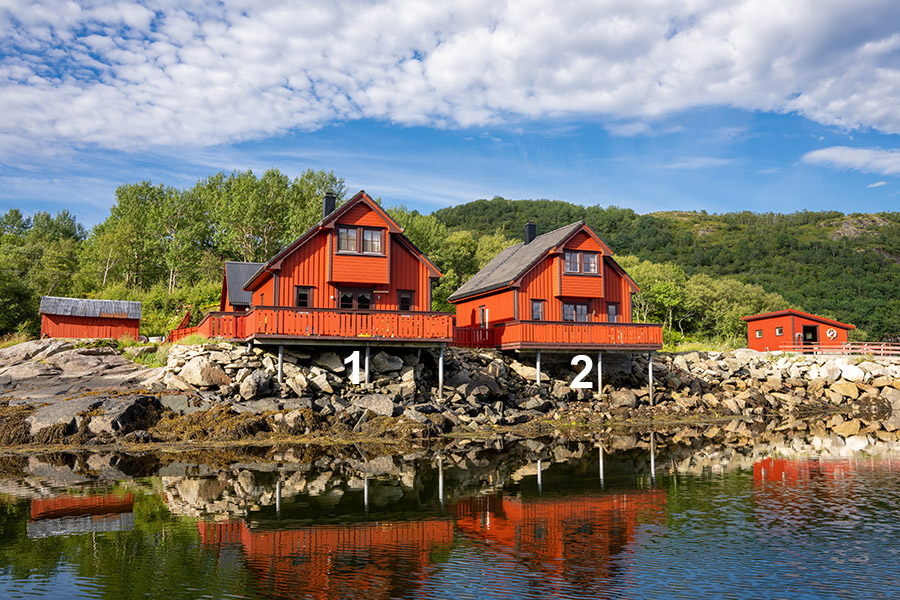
x,y
530,231
328,204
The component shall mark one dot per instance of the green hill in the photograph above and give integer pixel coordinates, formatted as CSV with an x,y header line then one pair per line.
x,y
843,266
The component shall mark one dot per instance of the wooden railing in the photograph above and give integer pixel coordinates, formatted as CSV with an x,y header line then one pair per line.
x,y
873,348
561,334
316,323
474,337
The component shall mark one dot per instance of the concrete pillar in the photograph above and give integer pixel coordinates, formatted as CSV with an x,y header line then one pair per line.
x,y
538,367
540,483
366,493
601,465
280,363
441,481
652,457
650,378
278,496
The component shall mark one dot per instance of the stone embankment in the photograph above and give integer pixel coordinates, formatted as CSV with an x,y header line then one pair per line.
x,y
52,392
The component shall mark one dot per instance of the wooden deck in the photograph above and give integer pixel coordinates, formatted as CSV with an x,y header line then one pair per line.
x,y
561,335
317,325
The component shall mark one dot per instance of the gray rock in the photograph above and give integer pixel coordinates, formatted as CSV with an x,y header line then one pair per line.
x,y
258,383
202,372
37,349
119,415
561,390
330,361
184,404
29,370
622,399
414,415
296,403
83,360
385,363
538,404
258,406
137,351
852,373
379,404
320,382
298,384
65,412
175,382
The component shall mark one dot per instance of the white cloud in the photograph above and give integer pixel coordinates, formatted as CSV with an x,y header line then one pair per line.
x,y
131,75
867,160
877,184
698,162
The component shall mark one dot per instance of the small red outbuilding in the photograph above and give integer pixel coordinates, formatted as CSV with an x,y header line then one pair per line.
x,y
791,328
81,318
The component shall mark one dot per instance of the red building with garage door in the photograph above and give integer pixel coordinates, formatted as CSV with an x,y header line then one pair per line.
x,y
792,329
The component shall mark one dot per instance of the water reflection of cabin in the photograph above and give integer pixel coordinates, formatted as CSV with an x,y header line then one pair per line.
x,y
560,290
66,515
568,536
353,277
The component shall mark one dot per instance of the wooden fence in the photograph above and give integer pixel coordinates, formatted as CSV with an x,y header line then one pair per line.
x,y
846,348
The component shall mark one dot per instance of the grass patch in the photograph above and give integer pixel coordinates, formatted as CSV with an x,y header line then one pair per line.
x,y
13,338
193,339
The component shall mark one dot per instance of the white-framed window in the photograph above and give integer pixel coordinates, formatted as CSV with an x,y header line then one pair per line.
x,y
779,331
587,263
759,333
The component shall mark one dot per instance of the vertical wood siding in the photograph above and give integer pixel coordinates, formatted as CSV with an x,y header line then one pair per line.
x,y
64,326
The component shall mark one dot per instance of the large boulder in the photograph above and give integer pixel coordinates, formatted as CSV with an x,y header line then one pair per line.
x,y
852,373
385,363
35,349
622,399
119,415
258,383
330,361
202,372
63,413
846,389
379,404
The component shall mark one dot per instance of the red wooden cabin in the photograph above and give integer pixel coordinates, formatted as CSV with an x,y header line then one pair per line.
x,y
794,330
351,277
80,318
558,290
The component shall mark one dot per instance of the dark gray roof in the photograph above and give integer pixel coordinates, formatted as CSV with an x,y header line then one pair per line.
x,y
236,275
513,262
80,307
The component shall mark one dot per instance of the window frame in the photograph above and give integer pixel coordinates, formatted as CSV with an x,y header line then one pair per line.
x,y
758,334
575,312
358,245
412,298
354,293
779,331
540,304
613,316
308,289
579,263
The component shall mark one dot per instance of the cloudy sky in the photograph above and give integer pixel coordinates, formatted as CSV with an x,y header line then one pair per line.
x,y
716,105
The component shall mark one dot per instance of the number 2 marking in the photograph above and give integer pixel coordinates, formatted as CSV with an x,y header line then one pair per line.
x,y
354,360
579,382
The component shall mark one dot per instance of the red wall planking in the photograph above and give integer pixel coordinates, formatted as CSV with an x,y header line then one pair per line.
x,y
64,326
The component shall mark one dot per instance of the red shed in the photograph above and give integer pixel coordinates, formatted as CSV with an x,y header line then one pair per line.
x,y
788,329
81,318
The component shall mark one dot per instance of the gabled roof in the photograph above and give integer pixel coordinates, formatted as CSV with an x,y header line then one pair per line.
x,y
791,312
236,275
81,307
513,262
328,222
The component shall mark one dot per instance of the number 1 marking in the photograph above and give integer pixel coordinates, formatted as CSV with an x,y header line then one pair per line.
x,y
579,382
354,360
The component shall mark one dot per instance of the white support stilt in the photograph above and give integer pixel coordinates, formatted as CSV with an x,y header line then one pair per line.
x,y
280,363
441,481
366,493
650,378
540,483
367,363
441,373
278,496
601,465
652,457
538,367
599,376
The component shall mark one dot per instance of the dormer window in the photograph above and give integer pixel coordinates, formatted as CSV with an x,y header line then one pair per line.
x,y
581,262
360,240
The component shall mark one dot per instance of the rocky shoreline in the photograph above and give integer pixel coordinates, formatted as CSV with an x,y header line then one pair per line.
x,y
53,392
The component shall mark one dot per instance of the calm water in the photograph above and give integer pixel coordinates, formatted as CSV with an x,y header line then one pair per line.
x,y
466,522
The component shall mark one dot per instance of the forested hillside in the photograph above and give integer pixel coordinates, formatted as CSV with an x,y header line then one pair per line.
x,y
843,266
699,273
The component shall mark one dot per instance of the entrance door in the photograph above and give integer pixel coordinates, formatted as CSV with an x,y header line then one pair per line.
x,y
810,335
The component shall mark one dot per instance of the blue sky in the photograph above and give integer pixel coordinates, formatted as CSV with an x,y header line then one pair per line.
x,y
700,105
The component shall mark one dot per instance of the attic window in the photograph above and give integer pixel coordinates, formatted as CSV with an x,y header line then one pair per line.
x,y
581,262
346,239
360,240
